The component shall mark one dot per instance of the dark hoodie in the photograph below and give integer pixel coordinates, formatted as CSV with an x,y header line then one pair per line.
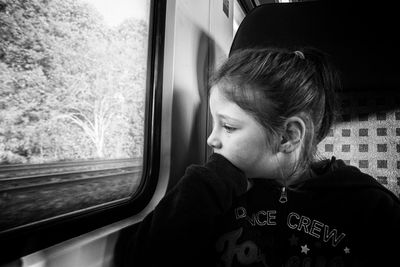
x,y
339,217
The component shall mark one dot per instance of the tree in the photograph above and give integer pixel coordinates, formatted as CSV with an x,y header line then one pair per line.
x,y
70,86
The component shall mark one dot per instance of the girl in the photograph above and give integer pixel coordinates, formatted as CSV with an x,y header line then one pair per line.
x,y
263,198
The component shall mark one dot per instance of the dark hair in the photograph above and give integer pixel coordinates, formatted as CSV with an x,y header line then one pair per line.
x,y
274,84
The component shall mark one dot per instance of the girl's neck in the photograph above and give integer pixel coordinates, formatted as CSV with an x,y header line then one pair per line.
x,y
299,175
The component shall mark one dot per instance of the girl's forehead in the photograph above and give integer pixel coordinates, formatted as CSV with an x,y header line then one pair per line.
x,y
217,96
220,105
221,90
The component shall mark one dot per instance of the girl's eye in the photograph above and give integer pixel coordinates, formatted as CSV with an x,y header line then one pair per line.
x,y
228,128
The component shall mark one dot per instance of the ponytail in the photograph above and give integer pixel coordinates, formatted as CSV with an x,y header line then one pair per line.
x,y
329,84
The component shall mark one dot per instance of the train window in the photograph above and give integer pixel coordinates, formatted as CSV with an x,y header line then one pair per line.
x,y
72,106
238,16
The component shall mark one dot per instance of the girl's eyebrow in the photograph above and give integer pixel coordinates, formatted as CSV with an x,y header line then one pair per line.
x,y
227,117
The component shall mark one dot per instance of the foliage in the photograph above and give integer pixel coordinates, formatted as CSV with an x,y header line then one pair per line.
x,y
70,86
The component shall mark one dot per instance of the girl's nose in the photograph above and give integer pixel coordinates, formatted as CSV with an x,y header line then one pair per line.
x,y
213,141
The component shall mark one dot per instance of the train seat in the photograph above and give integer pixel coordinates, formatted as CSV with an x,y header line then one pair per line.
x,y
361,40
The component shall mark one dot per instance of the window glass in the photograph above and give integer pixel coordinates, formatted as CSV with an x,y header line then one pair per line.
x,y
72,104
238,16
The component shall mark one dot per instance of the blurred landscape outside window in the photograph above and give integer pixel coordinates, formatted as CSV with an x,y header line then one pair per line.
x,y
72,89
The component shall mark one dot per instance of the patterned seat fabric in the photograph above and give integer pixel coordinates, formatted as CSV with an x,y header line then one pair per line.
x,y
367,135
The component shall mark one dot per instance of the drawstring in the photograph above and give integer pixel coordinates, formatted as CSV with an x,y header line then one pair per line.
x,y
283,198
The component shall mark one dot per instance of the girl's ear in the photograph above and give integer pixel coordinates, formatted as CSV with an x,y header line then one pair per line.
x,y
293,134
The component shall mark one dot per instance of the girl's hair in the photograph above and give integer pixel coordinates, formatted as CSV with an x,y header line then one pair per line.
x,y
274,84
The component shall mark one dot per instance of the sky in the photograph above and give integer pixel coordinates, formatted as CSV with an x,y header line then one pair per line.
x,y
115,11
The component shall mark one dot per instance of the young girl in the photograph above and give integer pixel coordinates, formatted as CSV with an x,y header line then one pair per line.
x,y
263,199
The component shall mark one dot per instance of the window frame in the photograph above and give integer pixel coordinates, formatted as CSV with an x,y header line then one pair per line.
x,y
24,240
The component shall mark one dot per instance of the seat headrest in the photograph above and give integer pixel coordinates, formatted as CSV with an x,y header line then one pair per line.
x,y
361,39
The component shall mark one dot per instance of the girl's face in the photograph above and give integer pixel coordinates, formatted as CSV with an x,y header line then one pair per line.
x,y
240,138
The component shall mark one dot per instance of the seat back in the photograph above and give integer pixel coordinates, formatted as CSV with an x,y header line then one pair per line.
x,y
361,39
